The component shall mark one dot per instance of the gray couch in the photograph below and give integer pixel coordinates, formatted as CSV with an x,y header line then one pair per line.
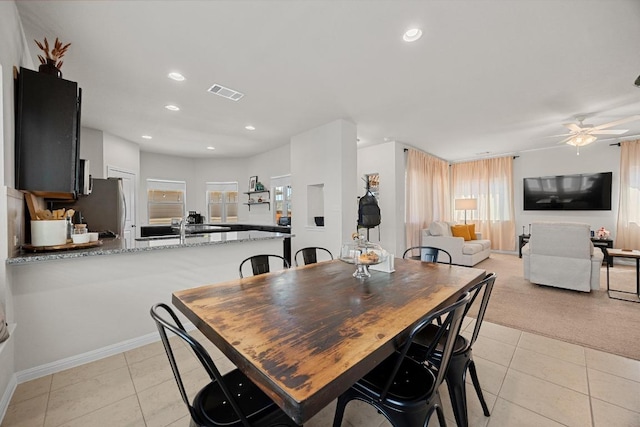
x,y
561,254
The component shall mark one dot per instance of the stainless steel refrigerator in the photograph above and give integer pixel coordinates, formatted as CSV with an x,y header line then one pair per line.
x,y
103,210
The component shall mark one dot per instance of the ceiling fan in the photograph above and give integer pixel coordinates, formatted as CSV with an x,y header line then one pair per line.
x,y
583,134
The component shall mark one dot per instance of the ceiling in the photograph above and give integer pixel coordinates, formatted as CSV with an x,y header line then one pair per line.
x,y
487,77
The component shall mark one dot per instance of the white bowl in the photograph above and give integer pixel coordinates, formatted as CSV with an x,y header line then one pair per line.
x,y
80,238
93,236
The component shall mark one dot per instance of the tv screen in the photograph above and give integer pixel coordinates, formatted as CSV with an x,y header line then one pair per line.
x,y
580,192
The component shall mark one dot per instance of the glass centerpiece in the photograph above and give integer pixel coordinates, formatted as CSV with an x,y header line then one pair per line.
x,y
362,253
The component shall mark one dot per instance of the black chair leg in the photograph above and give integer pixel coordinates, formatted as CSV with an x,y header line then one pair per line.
x,y
476,385
457,392
441,420
340,406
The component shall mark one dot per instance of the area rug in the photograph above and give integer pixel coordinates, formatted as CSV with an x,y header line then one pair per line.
x,y
589,319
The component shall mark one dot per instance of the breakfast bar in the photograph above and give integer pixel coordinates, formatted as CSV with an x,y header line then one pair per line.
x,y
77,305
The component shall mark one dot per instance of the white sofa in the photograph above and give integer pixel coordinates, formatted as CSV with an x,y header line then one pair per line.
x,y
462,252
561,254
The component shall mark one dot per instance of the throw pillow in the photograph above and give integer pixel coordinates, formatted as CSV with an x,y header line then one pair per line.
x,y
472,231
461,231
437,228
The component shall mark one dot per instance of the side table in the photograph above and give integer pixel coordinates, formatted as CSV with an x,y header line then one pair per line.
x,y
604,244
612,253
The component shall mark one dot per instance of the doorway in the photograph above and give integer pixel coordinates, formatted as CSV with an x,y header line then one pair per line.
x,y
129,180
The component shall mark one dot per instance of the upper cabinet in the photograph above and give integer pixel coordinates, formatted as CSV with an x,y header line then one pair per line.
x,y
47,134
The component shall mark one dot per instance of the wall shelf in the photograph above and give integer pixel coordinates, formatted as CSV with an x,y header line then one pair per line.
x,y
249,193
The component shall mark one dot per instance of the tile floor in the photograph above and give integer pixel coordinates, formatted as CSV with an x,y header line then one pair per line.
x,y
528,380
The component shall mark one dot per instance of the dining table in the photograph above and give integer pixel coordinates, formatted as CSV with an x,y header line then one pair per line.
x,y
305,335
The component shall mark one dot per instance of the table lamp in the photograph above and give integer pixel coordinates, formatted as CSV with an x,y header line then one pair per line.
x,y
465,205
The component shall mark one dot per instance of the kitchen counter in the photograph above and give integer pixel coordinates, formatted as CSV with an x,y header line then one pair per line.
x,y
153,243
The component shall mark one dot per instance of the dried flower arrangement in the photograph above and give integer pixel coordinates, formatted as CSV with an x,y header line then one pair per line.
x,y
56,53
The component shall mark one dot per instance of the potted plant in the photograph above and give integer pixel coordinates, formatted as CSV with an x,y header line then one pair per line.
x,y
50,63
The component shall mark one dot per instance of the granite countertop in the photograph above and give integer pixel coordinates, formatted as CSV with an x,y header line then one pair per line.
x,y
117,246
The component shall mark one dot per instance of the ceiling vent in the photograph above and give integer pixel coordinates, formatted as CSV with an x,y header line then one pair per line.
x,y
225,92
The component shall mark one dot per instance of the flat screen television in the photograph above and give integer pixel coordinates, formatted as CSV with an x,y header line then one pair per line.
x,y
579,192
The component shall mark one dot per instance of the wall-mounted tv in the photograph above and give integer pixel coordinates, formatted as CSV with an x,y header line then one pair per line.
x,y
579,192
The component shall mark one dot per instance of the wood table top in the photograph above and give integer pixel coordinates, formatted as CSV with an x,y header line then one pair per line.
x,y
305,335
621,253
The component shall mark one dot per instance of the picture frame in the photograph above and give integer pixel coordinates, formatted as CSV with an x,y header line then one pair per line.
x,y
252,183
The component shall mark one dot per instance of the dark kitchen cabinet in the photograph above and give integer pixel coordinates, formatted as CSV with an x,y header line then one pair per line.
x,y
47,134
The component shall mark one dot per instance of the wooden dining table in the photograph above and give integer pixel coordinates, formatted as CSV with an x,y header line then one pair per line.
x,y
304,335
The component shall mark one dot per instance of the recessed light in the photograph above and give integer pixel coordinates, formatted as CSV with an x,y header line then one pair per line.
x,y
211,148
147,137
172,107
249,127
176,76
412,35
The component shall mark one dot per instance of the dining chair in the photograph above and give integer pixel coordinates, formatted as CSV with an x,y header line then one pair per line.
x,y
462,356
260,263
310,255
228,400
427,253
403,389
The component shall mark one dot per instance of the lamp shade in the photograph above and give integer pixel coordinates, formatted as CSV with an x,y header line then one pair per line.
x,y
466,204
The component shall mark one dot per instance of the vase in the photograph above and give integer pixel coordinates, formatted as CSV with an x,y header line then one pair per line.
x,y
49,67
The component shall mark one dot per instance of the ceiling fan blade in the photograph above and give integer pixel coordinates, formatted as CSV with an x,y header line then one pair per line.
x,y
572,126
609,132
617,122
564,141
562,134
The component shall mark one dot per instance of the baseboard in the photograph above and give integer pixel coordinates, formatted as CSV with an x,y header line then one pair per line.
x,y
13,382
90,356
7,395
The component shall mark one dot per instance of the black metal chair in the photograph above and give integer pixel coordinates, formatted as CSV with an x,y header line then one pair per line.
x,y
260,263
405,390
430,253
228,400
462,357
310,255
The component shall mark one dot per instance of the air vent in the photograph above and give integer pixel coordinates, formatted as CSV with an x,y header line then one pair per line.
x,y
225,92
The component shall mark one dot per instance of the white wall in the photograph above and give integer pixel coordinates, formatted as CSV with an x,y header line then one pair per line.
x,y
273,163
14,52
325,155
387,160
597,157
120,153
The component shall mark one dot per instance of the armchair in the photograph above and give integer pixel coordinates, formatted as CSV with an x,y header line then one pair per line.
x,y
561,254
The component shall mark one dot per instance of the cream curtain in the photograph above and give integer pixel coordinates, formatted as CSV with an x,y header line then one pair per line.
x,y
628,230
491,182
427,193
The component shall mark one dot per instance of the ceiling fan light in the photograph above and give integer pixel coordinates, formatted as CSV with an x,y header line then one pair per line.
x,y
581,140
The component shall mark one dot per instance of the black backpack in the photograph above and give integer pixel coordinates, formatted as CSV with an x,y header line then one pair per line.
x,y
368,211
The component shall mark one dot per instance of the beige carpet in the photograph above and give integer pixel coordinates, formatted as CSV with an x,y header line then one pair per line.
x,y
589,319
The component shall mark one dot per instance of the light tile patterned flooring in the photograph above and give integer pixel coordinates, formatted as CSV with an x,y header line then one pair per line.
x,y
528,380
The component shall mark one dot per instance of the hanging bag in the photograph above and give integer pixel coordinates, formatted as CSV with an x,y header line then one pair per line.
x,y
368,211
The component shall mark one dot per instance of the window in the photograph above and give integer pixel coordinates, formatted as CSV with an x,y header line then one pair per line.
x,y
222,202
165,200
281,189
490,181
